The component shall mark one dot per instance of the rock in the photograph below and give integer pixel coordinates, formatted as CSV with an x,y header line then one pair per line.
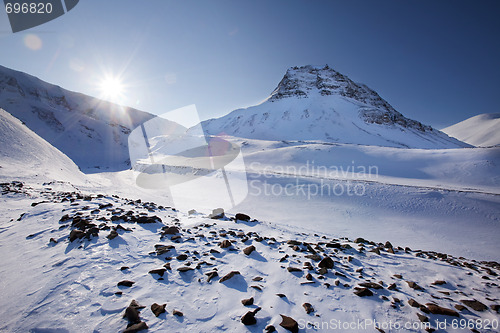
x,y
460,307
171,231
270,329
177,313
388,245
308,307
242,217
281,295
323,270
211,275
123,268
314,257
249,250
132,315
148,219
249,318
414,285
217,214
53,240
398,276
326,262
289,324
76,234
392,286
362,292
293,242
293,269
360,240
436,309
158,309
225,244
228,276
185,269
181,257
371,285
126,283
159,271
333,245
257,278
422,318
413,303
112,235
439,282
495,307
136,327
474,304
167,266
247,301
309,277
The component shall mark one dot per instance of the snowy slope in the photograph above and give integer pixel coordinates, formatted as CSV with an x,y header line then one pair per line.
x,y
92,132
313,103
25,155
482,130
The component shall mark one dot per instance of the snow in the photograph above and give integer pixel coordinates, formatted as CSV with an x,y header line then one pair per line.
x,y
482,130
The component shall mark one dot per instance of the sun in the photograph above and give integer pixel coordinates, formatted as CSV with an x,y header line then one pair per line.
x,y
112,88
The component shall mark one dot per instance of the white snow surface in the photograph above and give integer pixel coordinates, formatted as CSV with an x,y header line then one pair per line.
x,y
482,130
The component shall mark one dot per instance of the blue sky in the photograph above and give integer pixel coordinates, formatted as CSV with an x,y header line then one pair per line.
x,y
434,61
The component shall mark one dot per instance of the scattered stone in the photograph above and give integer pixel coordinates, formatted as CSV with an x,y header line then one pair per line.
x,y
360,240
132,315
225,244
289,324
167,266
413,303
171,231
438,282
392,286
112,235
281,295
414,285
460,307
293,242
228,276
181,257
159,271
211,275
293,269
123,268
422,318
136,327
474,304
314,257
323,270
326,262
76,234
247,301
177,313
249,250
126,283
371,285
398,276
249,317
495,307
362,292
270,329
53,240
242,217
308,307
158,309
185,269
436,309
309,277
257,278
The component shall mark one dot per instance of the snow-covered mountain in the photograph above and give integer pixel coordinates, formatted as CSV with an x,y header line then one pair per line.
x,y
92,132
318,103
482,130
26,155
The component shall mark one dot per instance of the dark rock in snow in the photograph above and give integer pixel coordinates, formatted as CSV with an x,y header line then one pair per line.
x,y
177,313
242,217
474,304
159,271
293,269
371,285
270,329
76,234
158,309
289,324
247,301
326,262
414,285
182,257
136,327
171,231
308,307
126,283
132,315
185,269
413,303
249,250
225,244
211,275
228,276
113,234
217,214
362,292
436,309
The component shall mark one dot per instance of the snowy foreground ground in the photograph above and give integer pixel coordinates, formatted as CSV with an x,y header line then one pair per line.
x,y
51,284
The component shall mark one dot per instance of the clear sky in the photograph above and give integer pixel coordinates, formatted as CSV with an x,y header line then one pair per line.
x,y
435,61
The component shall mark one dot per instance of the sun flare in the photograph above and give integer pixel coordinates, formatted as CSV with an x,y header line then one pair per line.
x,y
112,88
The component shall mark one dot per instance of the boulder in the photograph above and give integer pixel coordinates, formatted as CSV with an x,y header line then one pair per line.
x,y
436,309
474,304
326,262
136,327
289,324
158,309
363,292
228,276
247,301
249,250
308,307
242,217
